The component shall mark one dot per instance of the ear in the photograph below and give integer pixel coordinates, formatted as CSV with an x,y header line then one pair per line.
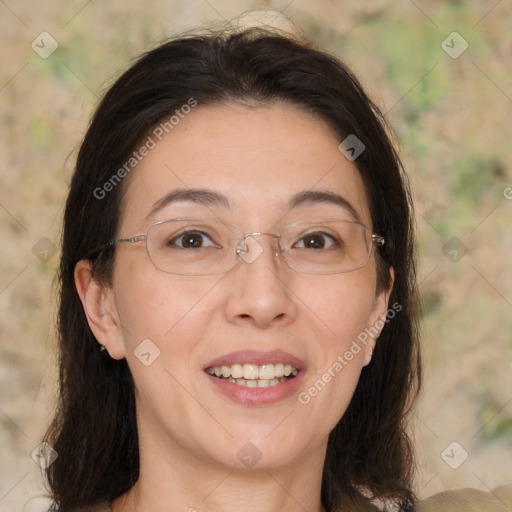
x,y
378,317
100,309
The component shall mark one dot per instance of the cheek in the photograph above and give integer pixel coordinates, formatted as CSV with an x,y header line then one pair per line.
x,y
163,322
344,305
344,311
155,305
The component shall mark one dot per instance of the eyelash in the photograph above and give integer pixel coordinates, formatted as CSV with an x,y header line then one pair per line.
x,y
187,233
181,236
320,233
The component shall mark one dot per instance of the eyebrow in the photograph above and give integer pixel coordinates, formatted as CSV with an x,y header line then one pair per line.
x,y
312,197
202,196
209,197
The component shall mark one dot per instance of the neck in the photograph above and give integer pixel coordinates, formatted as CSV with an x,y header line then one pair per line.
x,y
175,480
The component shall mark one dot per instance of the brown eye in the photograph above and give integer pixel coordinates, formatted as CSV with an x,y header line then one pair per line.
x,y
316,241
191,240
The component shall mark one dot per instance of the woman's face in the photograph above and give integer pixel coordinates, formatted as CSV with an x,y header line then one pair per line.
x,y
257,160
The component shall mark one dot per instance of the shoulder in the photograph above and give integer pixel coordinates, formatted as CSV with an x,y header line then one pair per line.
x,y
469,500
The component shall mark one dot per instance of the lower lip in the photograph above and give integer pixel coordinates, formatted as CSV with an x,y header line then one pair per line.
x,y
257,396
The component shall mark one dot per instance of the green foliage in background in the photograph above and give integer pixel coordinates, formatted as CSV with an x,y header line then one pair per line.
x,y
495,421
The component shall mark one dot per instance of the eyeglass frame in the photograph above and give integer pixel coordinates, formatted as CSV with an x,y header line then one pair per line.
x,y
376,239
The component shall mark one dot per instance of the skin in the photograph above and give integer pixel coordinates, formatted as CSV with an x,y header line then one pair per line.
x,y
189,433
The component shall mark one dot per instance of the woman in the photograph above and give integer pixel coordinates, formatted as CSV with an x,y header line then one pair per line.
x,y
238,298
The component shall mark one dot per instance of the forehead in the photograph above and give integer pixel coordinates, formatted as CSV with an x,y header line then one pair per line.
x,y
258,157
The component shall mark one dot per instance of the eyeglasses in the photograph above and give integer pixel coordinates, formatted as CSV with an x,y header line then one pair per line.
x,y
202,246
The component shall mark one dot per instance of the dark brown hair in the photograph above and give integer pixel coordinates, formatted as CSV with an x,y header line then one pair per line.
x,y
369,455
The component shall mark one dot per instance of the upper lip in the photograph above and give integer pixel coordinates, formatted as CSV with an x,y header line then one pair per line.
x,y
257,357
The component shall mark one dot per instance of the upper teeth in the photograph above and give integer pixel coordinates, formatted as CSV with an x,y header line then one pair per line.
x,y
253,371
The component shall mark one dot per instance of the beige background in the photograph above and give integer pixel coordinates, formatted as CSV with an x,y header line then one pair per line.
x,y
453,120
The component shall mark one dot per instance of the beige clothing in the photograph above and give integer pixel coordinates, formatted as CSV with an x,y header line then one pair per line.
x,y
469,500
456,500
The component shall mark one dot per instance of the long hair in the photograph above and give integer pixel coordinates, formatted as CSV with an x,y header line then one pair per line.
x,y
369,456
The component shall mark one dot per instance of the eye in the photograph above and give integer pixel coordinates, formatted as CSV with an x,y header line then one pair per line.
x,y
192,240
317,240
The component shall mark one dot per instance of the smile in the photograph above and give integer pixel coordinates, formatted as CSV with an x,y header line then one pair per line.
x,y
253,375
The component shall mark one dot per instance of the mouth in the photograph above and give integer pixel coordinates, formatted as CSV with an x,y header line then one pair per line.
x,y
252,375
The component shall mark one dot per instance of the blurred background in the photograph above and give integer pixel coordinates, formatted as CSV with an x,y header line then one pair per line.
x,y
442,73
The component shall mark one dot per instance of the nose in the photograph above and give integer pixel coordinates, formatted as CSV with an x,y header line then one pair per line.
x,y
259,288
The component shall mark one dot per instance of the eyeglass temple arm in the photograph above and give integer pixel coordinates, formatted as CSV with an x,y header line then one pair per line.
x,y
131,240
